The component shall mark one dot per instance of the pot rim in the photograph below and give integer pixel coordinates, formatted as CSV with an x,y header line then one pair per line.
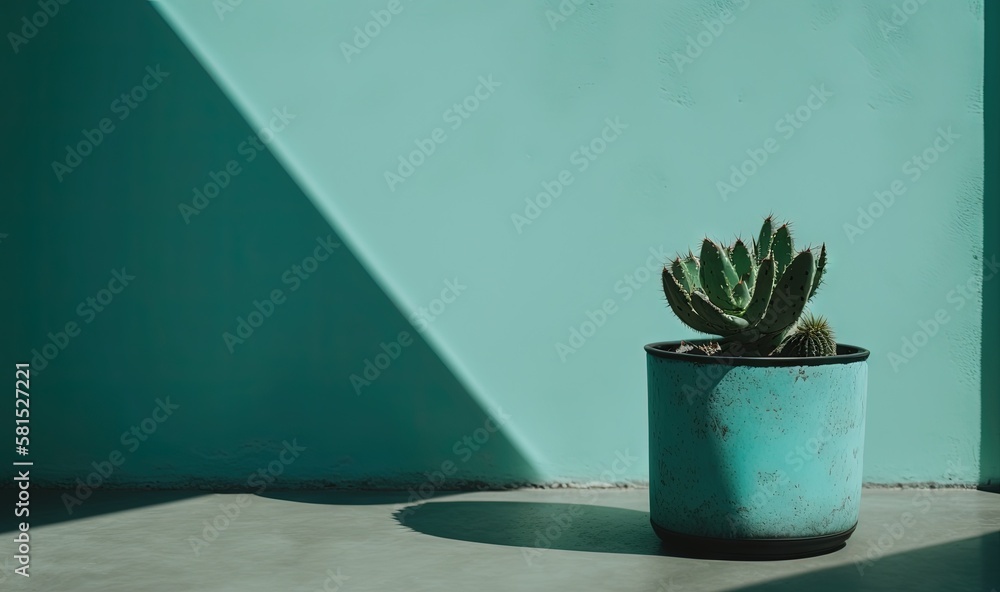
x,y
846,354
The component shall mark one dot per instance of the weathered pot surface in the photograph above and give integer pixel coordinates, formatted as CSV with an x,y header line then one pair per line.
x,y
756,457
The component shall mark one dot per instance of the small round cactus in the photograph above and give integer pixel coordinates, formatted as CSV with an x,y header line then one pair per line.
x,y
812,337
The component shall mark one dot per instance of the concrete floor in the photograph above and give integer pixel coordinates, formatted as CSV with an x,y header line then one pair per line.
x,y
288,542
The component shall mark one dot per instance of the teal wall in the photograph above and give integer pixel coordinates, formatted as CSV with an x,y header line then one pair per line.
x,y
529,273
161,336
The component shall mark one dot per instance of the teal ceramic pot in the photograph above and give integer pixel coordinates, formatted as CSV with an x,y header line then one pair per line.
x,y
755,457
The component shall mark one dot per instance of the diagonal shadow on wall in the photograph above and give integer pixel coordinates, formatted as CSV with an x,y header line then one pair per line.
x,y
144,387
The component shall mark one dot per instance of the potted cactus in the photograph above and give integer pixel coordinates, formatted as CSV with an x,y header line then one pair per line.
x,y
756,436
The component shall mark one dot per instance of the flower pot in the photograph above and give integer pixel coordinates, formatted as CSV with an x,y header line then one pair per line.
x,y
755,457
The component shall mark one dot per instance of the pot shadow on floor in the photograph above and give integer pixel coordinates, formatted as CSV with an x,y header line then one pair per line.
x,y
536,527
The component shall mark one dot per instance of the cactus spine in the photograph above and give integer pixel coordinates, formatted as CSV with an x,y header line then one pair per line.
x,y
811,337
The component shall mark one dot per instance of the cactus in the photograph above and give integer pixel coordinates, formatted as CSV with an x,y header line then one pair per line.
x,y
811,337
750,297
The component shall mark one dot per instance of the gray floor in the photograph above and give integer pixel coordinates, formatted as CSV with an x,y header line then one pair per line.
x,y
287,542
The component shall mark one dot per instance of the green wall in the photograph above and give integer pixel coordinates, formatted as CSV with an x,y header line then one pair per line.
x,y
502,98
161,337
